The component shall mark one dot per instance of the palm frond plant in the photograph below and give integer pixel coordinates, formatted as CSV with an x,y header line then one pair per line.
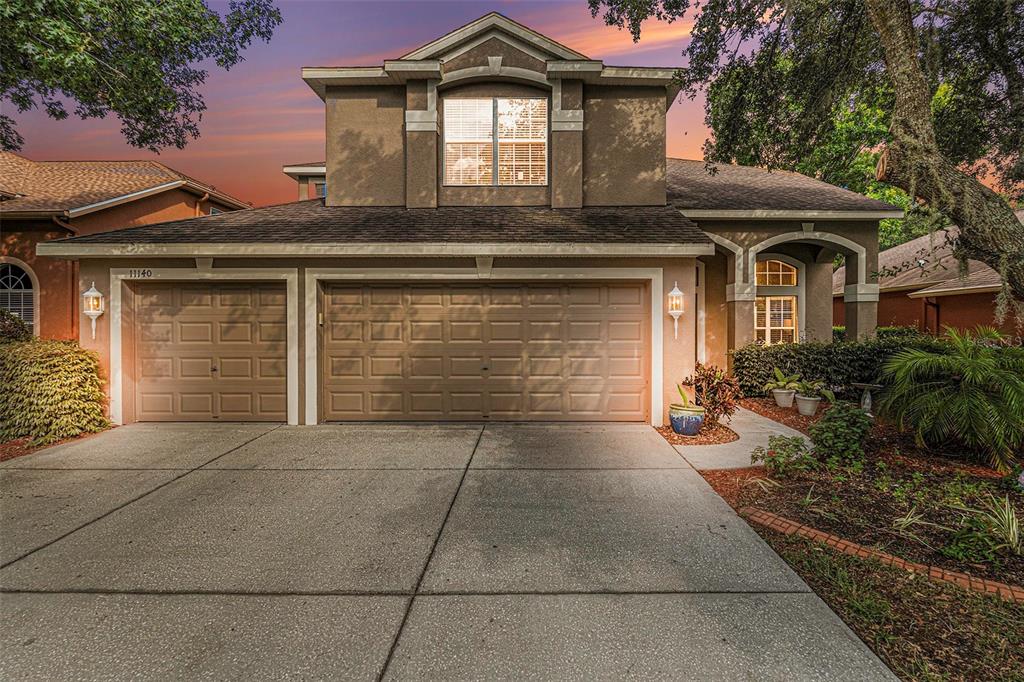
x,y
971,393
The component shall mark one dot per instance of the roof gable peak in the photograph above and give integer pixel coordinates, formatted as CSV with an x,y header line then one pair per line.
x,y
441,47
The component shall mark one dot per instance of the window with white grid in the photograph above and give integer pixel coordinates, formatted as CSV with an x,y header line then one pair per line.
x,y
16,293
775,319
496,141
775,273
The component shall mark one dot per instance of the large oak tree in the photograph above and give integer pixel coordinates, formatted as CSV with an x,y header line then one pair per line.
x,y
141,60
948,76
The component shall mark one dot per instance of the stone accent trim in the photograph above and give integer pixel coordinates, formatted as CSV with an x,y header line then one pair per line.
x,y
785,526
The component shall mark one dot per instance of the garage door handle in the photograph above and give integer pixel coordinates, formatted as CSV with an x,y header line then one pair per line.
x,y
213,369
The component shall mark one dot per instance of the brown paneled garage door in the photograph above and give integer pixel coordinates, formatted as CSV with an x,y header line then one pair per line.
x,y
210,352
500,352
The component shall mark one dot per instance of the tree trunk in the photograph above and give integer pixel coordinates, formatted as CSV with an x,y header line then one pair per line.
x,y
989,230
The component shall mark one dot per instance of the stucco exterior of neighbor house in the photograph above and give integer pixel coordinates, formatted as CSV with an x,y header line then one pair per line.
x,y
922,285
44,200
498,238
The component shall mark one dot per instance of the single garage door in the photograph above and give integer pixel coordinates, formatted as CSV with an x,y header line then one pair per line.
x,y
210,352
500,352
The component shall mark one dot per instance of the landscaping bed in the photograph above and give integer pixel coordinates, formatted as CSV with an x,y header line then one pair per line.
x,y
923,630
865,506
711,434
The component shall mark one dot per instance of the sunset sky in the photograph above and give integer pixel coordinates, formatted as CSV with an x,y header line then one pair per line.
x,y
261,115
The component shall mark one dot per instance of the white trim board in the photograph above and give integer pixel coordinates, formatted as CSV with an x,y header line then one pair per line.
x,y
369,249
119,276
315,275
767,214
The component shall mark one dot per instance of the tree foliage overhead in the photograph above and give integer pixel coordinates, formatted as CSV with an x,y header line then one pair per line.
x,y
138,59
931,90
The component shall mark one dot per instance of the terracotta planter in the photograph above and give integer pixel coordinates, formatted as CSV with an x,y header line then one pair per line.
x,y
807,406
783,397
686,420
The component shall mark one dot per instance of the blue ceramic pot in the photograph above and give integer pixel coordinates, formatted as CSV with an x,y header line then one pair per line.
x,y
686,420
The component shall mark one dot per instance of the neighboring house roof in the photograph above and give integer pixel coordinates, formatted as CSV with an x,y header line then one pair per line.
x,y
311,222
744,191
927,267
77,187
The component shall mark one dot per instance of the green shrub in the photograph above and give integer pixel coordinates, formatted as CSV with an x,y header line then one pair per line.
x,y
715,391
13,328
784,455
838,333
838,437
51,390
838,365
970,392
899,332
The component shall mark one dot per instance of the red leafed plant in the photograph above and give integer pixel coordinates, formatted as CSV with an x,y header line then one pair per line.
x,y
714,390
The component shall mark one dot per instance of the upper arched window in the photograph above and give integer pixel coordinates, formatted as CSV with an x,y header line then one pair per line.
x,y
775,273
16,292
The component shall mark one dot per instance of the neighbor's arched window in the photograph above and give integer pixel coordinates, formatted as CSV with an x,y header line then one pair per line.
x,y
775,273
16,292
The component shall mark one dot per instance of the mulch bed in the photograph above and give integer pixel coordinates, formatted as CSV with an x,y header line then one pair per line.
x,y
712,434
861,506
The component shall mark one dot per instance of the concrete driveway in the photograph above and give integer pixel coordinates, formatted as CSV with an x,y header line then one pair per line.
x,y
397,552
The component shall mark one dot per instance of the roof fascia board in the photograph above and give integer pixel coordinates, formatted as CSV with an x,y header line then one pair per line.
x,y
506,38
446,42
219,197
370,249
979,289
765,214
124,198
295,172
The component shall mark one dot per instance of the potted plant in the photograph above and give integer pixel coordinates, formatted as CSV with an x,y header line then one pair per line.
x,y
686,418
783,388
809,395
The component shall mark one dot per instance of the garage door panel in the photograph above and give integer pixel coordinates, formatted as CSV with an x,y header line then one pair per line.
x,y
209,351
514,351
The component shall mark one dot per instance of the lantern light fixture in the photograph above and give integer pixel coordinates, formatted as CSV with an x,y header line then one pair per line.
x,y
675,306
93,306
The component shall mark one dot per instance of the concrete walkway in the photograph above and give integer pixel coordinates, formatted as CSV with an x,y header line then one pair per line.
x,y
394,551
753,430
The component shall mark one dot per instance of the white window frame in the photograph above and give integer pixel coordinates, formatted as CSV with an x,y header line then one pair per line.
x,y
798,291
495,142
769,328
36,291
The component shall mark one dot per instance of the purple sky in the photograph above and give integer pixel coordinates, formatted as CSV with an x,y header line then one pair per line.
x,y
261,115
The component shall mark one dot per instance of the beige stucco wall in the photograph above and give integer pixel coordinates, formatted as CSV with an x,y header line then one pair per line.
x,y
365,144
678,355
623,146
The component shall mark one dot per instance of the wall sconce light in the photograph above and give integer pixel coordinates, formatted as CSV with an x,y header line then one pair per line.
x,y
675,306
93,306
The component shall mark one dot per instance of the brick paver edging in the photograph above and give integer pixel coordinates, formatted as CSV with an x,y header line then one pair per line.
x,y
783,525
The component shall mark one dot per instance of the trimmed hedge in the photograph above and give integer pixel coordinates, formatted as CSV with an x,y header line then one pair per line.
x,y
837,364
51,391
839,333
13,328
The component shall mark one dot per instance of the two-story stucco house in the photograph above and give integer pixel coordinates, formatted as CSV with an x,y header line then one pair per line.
x,y
498,238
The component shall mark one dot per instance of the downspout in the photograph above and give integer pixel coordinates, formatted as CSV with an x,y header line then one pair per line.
x,y
199,204
72,281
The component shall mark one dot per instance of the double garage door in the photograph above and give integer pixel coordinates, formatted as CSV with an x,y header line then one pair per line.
x,y
499,352
422,352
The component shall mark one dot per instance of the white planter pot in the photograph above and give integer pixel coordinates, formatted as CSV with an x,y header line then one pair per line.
x,y
807,406
783,397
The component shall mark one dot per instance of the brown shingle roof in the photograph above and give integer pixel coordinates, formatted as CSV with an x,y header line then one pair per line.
x,y
926,263
738,188
54,186
312,222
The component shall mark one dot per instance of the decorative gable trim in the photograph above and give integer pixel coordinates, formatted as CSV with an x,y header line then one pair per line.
x,y
441,47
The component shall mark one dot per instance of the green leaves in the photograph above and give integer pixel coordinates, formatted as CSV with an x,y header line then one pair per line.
x,y
52,390
136,59
972,393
